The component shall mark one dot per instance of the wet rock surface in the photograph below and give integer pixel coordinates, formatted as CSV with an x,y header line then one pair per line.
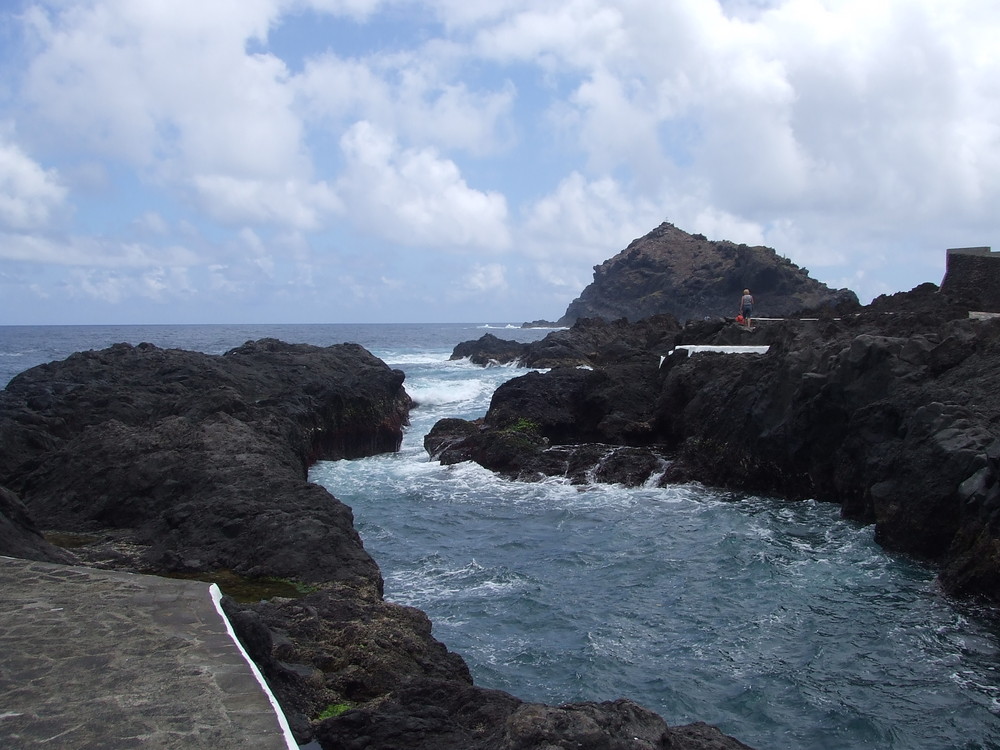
x,y
891,412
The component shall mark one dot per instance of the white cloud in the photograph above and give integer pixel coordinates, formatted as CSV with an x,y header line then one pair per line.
x,y
357,9
135,78
857,138
292,203
780,108
151,222
171,89
115,287
414,95
220,280
29,194
257,253
161,284
619,126
91,252
490,278
587,220
106,286
416,197
579,33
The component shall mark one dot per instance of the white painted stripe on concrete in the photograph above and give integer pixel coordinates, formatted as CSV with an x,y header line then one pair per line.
x,y
282,721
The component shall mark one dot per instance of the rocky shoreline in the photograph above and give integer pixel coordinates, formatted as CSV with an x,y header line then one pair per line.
x,y
179,463
891,411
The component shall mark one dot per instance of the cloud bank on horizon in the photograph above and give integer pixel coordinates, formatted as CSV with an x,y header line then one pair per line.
x,y
462,160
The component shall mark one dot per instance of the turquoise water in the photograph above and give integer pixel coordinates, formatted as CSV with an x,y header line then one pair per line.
x,y
781,623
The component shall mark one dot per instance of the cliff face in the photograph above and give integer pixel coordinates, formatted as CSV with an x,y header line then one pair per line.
x,y
690,277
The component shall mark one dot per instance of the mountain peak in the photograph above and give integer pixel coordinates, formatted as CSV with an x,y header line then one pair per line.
x,y
691,277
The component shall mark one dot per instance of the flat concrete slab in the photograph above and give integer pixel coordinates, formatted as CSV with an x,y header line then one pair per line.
x,y
104,659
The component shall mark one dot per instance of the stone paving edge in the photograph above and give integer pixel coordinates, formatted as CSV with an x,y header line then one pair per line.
x,y
282,720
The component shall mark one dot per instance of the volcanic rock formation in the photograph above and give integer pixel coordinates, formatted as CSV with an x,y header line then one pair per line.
x,y
691,278
892,412
175,462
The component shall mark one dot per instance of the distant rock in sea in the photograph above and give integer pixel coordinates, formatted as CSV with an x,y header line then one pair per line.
x,y
691,278
541,324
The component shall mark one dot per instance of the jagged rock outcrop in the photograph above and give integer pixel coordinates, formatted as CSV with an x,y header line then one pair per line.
x,y
168,461
490,350
480,719
591,342
193,462
893,413
691,277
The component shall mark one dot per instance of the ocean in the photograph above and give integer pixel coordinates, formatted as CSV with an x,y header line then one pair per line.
x,y
779,622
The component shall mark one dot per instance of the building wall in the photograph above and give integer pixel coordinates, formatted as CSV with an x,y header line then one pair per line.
x,y
972,275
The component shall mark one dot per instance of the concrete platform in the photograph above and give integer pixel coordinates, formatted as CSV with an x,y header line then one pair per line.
x,y
102,659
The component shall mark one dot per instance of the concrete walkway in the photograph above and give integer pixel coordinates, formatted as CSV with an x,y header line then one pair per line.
x,y
103,659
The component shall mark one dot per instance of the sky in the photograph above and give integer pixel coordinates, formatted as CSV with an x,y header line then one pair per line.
x,y
344,161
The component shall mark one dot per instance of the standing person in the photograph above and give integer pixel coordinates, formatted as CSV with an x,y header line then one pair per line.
x,y
746,307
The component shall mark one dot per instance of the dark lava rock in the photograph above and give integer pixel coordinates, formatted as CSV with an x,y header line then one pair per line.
x,y
20,538
167,461
540,323
193,462
430,715
691,277
892,412
490,350
590,342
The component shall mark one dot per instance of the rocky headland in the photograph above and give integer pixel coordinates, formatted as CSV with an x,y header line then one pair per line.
x,y
891,411
669,271
178,463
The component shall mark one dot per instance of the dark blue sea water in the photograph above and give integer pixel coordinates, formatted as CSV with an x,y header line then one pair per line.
x,y
781,623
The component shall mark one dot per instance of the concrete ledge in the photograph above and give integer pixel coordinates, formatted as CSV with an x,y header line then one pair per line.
x,y
97,658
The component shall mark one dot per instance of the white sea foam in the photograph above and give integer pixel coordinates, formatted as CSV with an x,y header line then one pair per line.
x,y
428,358
434,392
431,581
492,364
